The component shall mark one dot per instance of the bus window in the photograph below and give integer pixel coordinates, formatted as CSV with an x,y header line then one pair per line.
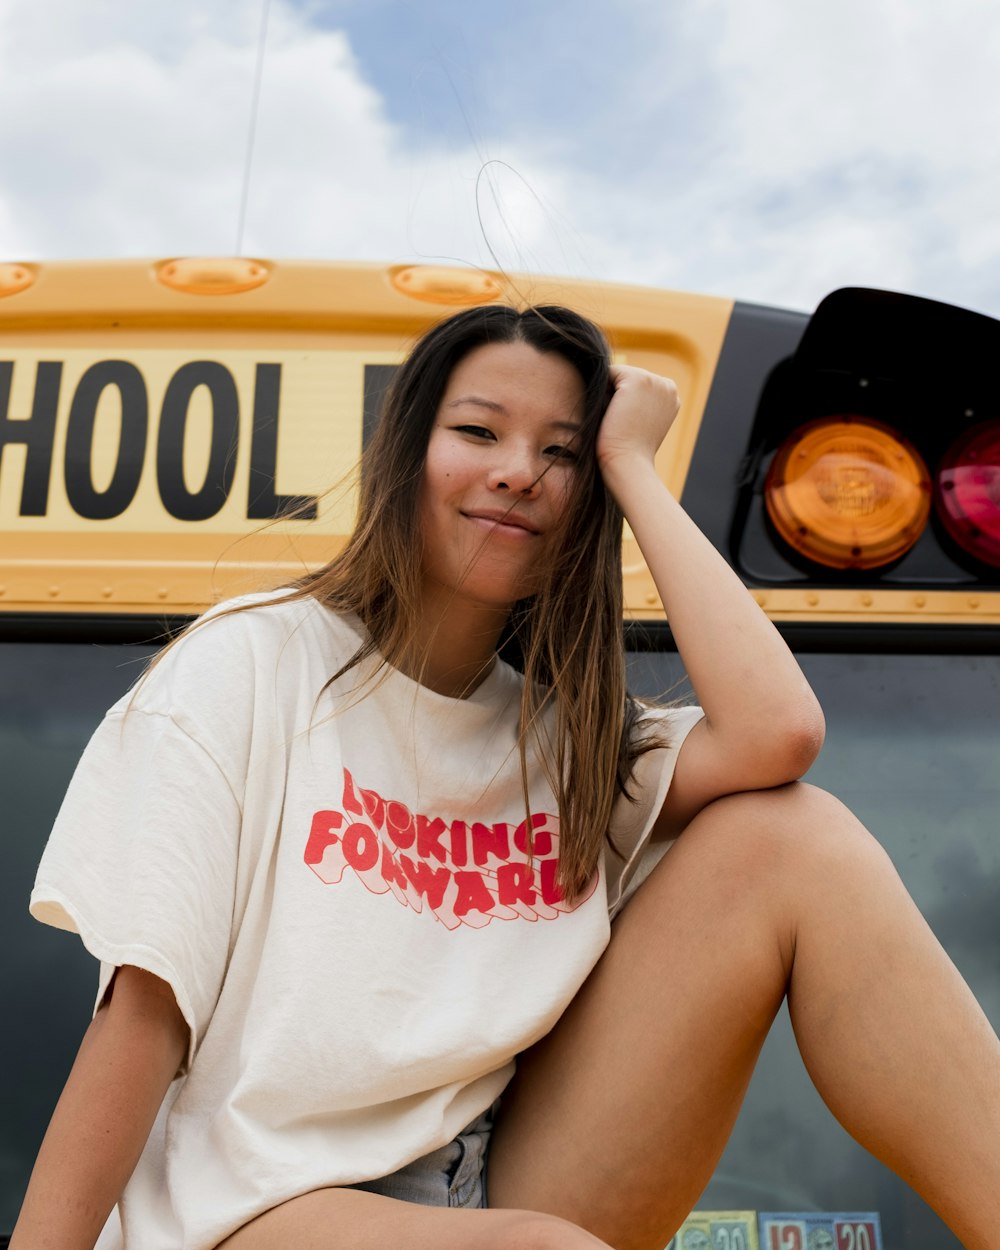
x,y
911,749
54,695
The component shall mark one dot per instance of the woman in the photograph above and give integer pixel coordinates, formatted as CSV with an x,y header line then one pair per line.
x,y
341,864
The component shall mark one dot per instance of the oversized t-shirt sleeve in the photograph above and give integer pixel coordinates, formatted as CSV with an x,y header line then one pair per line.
x,y
628,856
142,860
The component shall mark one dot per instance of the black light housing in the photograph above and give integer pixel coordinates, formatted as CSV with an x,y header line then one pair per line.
x,y
922,369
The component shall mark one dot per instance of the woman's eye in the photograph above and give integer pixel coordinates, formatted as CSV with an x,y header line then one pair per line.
x,y
562,453
477,431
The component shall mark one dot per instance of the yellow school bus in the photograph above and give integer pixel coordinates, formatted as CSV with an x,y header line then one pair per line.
x,y
170,431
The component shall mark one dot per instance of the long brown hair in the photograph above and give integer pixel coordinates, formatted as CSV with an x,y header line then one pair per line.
x,y
568,637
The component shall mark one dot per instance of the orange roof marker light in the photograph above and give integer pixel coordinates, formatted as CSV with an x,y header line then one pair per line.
x,y
209,275
967,491
14,278
440,284
848,493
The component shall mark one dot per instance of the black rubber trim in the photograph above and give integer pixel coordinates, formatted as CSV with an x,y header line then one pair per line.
x,y
848,639
855,638
89,627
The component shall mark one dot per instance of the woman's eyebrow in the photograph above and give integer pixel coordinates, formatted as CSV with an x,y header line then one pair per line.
x,y
571,427
479,402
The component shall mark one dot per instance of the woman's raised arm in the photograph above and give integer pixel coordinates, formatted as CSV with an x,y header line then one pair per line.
x,y
127,1059
763,726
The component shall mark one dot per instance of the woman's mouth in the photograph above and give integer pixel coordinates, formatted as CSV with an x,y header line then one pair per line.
x,y
507,524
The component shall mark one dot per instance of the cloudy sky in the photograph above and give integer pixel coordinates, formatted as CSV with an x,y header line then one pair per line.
x,y
765,149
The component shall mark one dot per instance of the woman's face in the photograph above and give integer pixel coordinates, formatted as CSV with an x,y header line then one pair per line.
x,y
499,470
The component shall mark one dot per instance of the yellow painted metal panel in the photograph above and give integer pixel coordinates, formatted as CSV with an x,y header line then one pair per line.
x,y
321,324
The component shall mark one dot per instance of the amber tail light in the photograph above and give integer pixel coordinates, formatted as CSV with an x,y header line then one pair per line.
x,y
848,492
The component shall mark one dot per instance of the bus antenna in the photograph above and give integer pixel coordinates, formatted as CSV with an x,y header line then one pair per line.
x,y
252,131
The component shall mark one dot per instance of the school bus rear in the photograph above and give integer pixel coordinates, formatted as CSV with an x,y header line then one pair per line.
x,y
169,432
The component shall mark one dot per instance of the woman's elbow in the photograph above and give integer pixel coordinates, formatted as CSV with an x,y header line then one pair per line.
x,y
802,740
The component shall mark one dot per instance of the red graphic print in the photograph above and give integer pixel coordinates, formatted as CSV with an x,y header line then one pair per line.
x,y
464,871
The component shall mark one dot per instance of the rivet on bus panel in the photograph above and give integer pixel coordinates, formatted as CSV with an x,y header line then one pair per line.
x,y
973,603
14,278
107,592
53,592
920,601
812,599
652,600
162,593
867,600
212,275
439,284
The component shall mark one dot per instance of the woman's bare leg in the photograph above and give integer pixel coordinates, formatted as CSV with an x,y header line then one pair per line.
x,y
346,1219
616,1120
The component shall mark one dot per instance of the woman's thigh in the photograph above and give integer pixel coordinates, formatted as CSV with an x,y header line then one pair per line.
x,y
617,1118
437,1201
350,1219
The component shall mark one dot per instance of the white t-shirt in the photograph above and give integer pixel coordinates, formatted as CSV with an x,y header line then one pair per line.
x,y
335,885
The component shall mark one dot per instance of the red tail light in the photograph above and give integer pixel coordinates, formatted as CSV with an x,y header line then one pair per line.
x,y
967,492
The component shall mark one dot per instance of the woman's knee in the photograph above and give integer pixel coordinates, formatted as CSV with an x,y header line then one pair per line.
x,y
790,822
764,841
802,847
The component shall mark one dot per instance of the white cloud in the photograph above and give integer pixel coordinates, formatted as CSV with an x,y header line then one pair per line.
x,y
133,139
121,146
837,145
770,151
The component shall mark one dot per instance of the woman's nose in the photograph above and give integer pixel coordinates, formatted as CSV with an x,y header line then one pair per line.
x,y
520,474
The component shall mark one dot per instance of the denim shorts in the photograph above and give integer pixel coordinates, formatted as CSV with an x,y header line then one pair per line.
x,y
452,1176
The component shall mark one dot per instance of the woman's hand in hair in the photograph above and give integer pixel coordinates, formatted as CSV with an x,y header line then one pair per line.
x,y
638,418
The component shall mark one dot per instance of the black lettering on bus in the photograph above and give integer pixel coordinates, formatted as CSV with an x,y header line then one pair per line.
x,y
263,503
84,498
37,432
209,498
